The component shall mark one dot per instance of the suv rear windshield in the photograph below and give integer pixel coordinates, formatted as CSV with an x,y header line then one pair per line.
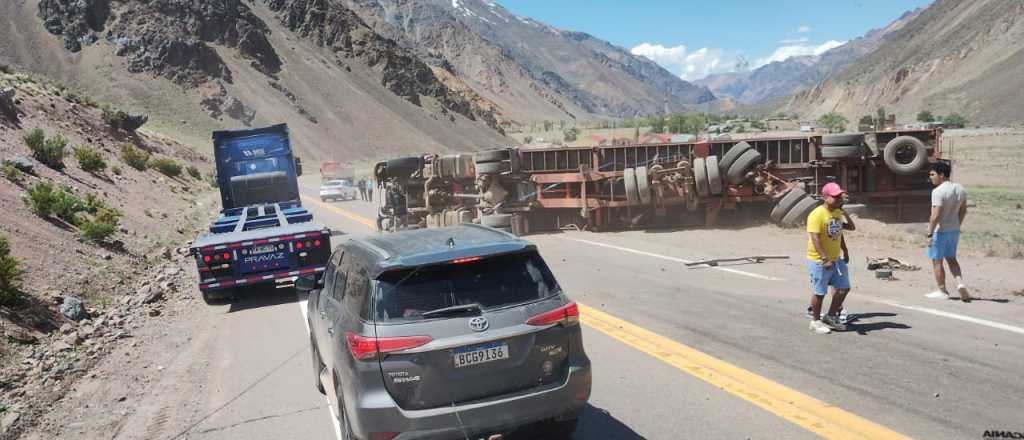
x,y
493,282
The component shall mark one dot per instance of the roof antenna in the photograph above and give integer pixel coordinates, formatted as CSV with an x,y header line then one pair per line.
x,y
451,242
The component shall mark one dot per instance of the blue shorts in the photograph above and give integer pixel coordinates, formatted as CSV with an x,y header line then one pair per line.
x,y
944,245
838,276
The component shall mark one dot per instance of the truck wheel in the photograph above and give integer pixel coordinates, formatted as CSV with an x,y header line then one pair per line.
x,y
492,167
700,175
629,178
843,139
737,151
798,215
491,156
905,155
497,221
842,151
216,298
714,176
642,185
787,202
738,170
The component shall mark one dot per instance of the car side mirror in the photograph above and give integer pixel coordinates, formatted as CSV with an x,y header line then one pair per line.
x,y
307,283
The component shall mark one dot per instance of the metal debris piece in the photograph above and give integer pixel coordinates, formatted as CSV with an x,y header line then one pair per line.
x,y
753,259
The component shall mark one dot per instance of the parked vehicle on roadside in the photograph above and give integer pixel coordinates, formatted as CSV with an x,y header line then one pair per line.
x,y
339,189
263,234
445,333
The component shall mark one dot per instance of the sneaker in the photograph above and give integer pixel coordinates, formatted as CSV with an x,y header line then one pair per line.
x,y
844,316
819,328
938,294
965,295
834,322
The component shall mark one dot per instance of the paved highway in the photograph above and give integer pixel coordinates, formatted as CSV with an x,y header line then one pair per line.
x,y
677,353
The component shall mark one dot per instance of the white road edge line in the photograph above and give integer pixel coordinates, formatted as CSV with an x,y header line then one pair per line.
x,y
677,260
305,322
984,322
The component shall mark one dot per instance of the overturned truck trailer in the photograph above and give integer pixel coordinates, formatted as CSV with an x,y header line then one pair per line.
x,y
525,190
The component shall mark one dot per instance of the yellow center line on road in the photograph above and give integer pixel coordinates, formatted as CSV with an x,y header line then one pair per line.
x,y
805,411
350,215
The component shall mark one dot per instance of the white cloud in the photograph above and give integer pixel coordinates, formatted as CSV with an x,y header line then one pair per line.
x,y
803,29
794,40
785,52
688,65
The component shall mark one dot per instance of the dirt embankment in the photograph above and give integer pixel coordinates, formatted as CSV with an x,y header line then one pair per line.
x,y
79,293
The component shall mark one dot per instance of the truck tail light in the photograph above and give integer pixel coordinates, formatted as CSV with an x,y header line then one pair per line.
x,y
298,245
566,315
363,348
316,243
227,256
207,258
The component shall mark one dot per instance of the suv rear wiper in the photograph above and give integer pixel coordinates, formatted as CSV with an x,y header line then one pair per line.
x,y
453,310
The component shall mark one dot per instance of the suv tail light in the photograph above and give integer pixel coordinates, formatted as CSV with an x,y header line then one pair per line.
x,y
363,348
566,315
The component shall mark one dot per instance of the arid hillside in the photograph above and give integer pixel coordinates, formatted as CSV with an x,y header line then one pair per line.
x,y
197,66
955,56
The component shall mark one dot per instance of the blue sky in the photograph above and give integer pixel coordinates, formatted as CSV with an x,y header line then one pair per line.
x,y
694,38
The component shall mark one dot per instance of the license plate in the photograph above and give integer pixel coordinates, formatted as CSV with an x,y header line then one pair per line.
x,y
262,249
480,354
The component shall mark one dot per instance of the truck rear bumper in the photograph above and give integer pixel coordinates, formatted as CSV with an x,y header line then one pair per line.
x,y
258,279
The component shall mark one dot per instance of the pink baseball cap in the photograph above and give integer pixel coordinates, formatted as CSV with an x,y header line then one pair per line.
x,y
832,190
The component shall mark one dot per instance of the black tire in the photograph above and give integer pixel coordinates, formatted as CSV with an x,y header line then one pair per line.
x,y
842,151
497,220
492,168
700,175
403,166
737,151
318,366
843,139
629,178
738,170
787,203
491,156
714,176
218,297
323,199
344,427
798,215
896,155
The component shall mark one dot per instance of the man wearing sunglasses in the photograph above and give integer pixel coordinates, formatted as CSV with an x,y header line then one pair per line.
x,y
949,207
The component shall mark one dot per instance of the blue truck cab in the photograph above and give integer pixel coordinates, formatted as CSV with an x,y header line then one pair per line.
x,y
263,234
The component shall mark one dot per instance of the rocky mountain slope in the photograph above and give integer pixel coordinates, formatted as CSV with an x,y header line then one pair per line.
x,y
954,56
782,78
196,66
79,297
528,68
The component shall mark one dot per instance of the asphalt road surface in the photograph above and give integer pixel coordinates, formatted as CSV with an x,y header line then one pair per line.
x,y
677,353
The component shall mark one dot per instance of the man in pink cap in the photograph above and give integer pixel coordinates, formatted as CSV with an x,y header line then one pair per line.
x,y
825,225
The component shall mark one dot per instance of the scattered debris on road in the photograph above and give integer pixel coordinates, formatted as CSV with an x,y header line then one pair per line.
x,y
753,259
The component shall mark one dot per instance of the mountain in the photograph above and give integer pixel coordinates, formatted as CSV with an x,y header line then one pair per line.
x,y
199,65
782,78
529,69
955,56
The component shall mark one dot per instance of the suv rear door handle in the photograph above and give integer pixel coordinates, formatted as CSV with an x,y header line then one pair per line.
x,y
330,331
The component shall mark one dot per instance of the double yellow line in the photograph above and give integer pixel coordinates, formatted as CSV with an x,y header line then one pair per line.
x,y
814,415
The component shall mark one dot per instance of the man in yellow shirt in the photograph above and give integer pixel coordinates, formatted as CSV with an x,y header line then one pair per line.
x,y
825,225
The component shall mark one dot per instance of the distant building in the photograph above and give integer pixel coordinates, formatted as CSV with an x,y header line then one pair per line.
x,y
808,126
684,137
655,138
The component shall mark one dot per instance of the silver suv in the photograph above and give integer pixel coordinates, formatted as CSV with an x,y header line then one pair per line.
x,y
457,332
